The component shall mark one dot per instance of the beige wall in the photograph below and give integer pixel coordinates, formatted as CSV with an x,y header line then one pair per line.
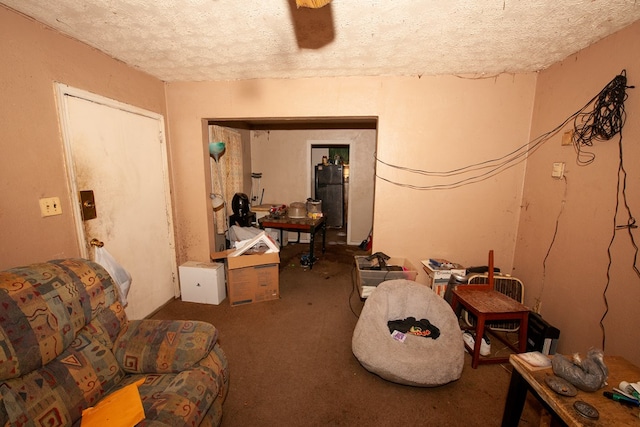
x,y
572,286
32,163
283,158
432,123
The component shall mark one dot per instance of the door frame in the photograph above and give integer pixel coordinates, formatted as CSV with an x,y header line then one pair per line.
x,y
62,90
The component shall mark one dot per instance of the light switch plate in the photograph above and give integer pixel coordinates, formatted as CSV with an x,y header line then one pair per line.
x,y
558,170
50,206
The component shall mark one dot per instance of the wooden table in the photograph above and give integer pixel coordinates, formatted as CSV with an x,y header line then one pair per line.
x,y
305,225
612,413
487,305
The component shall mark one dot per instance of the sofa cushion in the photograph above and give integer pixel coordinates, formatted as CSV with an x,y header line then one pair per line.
x,y
56,394
12,409
43,306
163,346
107,324
177,399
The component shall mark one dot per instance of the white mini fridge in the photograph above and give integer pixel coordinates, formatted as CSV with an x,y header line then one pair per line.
x,y
202,282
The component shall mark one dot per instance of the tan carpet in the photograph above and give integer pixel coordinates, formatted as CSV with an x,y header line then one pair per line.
x,y
291,361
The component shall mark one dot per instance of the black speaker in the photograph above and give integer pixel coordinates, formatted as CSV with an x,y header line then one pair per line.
x,y
242,220
541,336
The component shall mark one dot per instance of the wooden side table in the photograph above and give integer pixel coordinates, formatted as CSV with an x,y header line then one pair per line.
x,y
488,305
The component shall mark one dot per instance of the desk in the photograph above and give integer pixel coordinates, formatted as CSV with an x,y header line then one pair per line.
x,y
561,407
305,225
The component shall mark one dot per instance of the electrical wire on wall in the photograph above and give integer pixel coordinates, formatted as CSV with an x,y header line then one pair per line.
x,y
538,303
601,124
608,120
598,124
604,121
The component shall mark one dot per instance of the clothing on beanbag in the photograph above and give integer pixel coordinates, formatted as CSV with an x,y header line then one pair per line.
x,y
410,325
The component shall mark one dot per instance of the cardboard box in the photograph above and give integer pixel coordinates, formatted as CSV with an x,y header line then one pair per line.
x,y
369,279
202,282
251,278
438,276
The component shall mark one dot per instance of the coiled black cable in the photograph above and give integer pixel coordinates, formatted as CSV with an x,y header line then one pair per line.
x,y
604,121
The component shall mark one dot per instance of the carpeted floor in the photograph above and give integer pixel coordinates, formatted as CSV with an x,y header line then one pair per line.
x,y
291,361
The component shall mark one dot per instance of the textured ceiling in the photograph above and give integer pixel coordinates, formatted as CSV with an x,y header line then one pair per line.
x,y
196,40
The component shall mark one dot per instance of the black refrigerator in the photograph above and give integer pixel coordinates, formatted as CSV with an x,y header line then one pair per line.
x,y
330,189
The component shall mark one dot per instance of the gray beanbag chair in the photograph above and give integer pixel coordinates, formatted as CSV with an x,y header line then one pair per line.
x,y
418,361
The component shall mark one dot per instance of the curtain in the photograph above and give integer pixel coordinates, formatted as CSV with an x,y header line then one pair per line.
x,y
230,169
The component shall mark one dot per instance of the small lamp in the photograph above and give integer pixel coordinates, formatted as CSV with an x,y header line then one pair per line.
x,y
216,201
216,149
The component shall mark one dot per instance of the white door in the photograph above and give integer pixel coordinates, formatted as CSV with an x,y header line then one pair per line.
x,y
119,152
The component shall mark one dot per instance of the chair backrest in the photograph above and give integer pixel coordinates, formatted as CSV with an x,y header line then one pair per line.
x,y
490,281
490,278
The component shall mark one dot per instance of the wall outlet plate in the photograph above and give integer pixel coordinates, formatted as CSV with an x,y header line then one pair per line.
x,y
567,137
50,206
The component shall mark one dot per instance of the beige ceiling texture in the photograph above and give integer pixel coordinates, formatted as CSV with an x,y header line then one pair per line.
x,y
197,40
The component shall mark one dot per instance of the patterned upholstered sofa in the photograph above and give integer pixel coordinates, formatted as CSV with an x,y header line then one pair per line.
x,y
66,343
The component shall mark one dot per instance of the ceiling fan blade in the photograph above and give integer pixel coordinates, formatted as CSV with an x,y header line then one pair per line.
x,y
314,4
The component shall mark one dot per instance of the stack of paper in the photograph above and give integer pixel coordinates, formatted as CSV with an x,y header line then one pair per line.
x,y
260,239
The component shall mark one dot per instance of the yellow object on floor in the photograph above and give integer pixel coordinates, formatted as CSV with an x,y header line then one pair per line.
x,y
122,408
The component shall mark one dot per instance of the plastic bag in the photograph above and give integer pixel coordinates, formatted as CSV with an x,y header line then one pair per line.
x,y
589,374
120,276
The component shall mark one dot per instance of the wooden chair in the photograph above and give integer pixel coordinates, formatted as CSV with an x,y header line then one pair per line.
x,y
487,304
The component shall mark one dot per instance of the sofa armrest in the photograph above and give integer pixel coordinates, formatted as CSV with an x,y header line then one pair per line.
x,y
163,346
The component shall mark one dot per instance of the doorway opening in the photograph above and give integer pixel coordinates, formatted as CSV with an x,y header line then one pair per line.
x,y
279,151
329,182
